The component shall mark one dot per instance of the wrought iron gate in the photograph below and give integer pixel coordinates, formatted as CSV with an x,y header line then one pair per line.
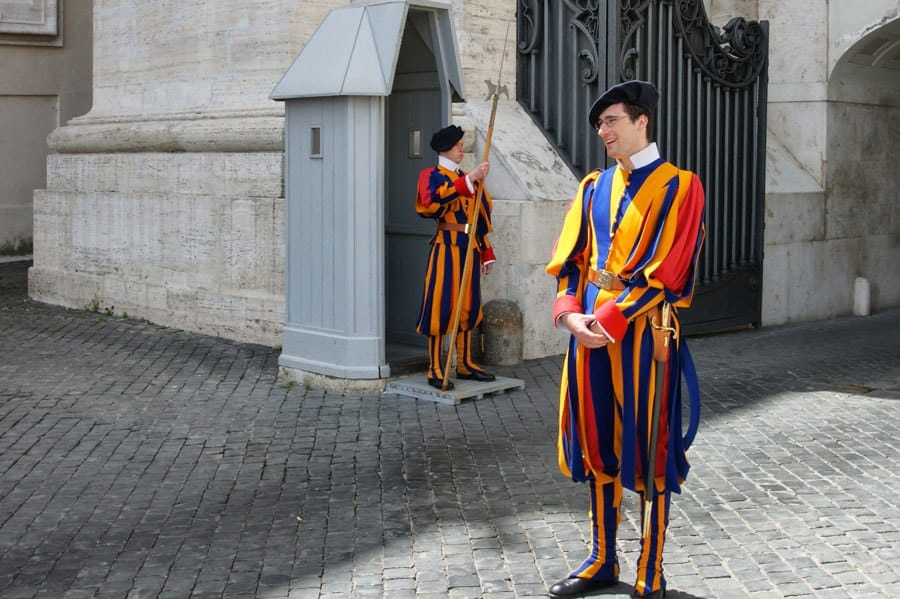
x,y
711,118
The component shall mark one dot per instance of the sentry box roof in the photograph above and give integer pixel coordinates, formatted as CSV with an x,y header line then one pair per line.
x,y
355,49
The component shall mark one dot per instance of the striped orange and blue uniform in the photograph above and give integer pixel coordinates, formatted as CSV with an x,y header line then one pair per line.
x,y
444,196
646,227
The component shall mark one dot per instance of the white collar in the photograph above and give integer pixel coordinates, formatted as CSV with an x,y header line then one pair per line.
x,y
447,163
644,157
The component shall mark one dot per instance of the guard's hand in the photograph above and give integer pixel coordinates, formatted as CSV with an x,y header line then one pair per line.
x,y
480,172
486,268
585,329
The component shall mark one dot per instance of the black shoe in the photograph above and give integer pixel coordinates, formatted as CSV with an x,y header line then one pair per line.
x,y
439,384
576,587
477,375
657,594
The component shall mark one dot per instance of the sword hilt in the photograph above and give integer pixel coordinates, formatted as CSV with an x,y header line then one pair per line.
x,y
664,325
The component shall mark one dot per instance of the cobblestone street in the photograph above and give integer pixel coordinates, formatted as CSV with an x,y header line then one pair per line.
x,y
140,461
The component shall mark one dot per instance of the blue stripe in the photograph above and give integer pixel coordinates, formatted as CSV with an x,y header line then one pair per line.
x,y
601,215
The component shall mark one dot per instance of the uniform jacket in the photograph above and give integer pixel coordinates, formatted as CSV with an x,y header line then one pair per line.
x,y
444,195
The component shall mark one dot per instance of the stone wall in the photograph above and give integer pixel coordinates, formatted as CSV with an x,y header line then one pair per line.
x,y
45,79
166,201
863,139
831,200
191,57
482,27
200,248
862,215
795,169
721,11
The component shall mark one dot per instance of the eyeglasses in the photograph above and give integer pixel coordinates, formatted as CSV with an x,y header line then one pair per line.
x,y
610,121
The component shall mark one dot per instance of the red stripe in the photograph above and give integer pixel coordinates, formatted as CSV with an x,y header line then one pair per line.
x,y
565,303
611,319
424,193
678,264
462,188
588,418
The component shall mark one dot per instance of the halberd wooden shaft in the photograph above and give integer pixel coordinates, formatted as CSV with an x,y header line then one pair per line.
x,y
472,227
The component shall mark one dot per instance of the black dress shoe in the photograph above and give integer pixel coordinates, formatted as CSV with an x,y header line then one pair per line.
x,y
439,384
477,375
576,587
657,594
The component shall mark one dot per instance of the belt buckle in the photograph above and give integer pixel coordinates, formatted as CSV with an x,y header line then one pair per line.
x,y
605,279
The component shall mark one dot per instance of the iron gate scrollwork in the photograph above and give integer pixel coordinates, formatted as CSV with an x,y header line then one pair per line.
x,y
711,117
566,56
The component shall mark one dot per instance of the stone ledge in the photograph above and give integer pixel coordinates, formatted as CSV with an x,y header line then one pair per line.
x,y
251,131
247,316
221,174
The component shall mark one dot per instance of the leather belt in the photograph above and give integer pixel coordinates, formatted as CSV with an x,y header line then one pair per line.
x,y
459,228
605,280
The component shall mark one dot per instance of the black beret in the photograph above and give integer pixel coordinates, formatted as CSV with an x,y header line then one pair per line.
x,y
446,138
639,93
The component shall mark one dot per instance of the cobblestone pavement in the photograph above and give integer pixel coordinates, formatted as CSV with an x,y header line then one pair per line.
x,y
139,461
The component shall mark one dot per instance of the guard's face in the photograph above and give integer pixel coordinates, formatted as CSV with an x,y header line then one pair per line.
x,y
456,152
622,137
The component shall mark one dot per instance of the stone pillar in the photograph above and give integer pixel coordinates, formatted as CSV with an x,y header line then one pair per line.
x,y
502,331
795,197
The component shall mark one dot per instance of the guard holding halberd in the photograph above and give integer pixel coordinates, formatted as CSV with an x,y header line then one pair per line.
x,y
449,196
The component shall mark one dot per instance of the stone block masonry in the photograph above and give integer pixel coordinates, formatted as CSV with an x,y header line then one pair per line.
x,y
190,239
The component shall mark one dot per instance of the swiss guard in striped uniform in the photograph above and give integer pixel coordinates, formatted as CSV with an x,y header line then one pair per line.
x,y
447,195
628,247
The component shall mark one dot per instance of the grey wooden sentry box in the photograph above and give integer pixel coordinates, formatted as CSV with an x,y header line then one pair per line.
x,y
336,145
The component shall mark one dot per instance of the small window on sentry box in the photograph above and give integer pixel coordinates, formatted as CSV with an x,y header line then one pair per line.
x,y
315,142
415,143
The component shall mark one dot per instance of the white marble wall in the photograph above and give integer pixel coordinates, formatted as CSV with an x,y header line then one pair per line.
x,y
795,276
482,27
798,79
189,57
721,11
201,250
166,200
850,21
863,206
831,201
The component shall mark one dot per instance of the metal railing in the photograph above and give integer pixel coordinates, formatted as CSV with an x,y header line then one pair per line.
x,y
567,57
